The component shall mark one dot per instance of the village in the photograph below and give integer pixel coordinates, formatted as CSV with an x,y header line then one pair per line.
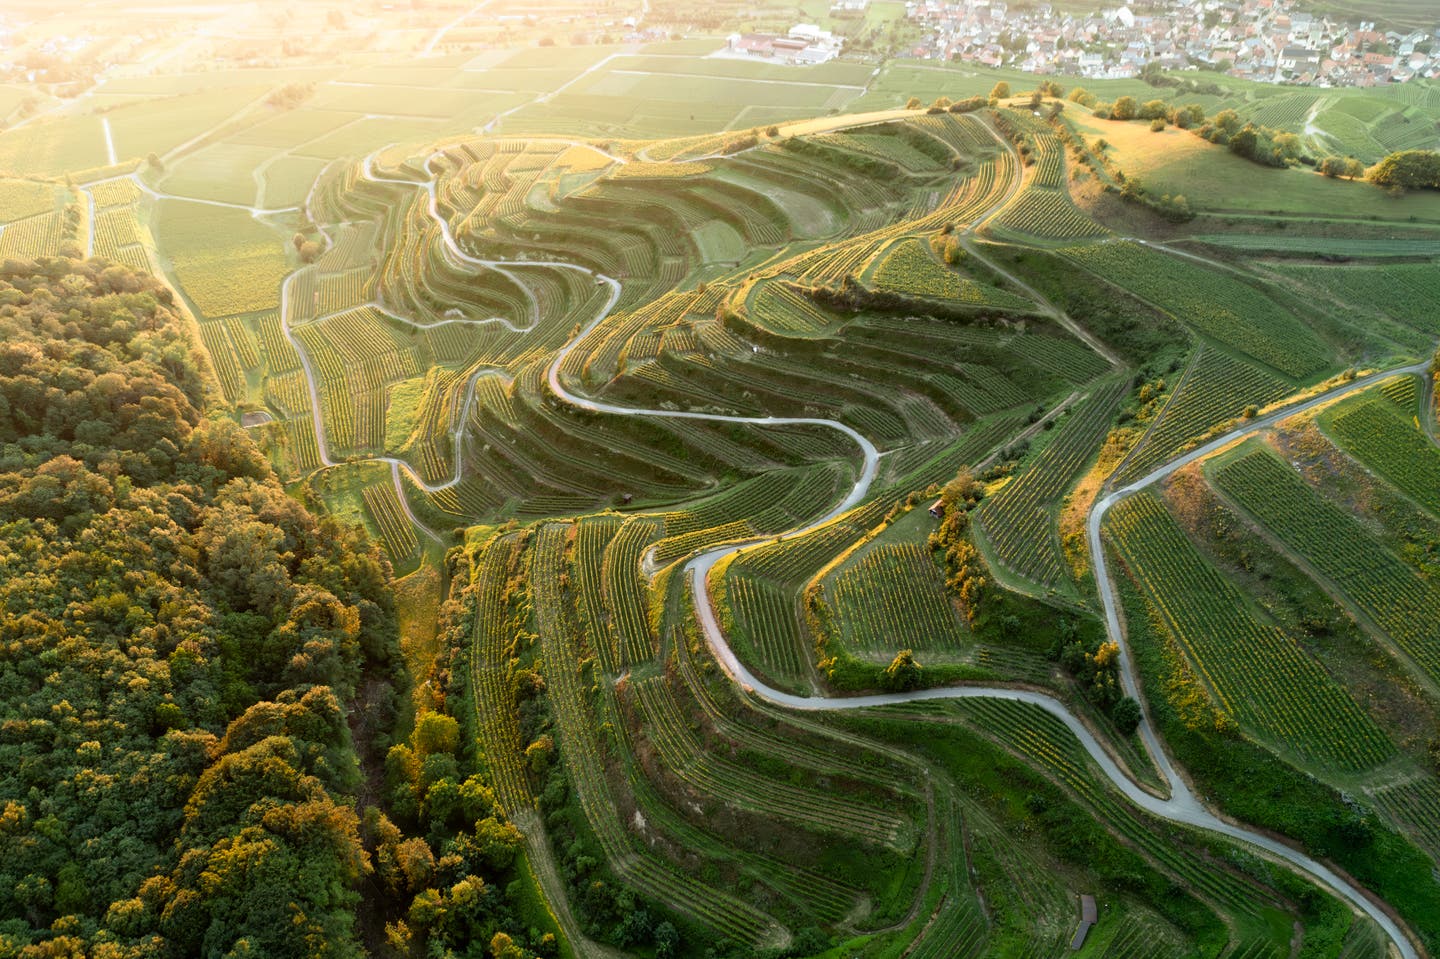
x,y
1270,41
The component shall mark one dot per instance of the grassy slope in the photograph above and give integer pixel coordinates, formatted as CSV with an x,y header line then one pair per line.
x,y
1211,178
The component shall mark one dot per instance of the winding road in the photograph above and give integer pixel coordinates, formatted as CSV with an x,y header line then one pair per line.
x,y
1182,805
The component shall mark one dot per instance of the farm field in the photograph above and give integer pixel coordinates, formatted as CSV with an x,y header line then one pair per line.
x,y
1322,245
1212,302
224,260
761,518
1255,673
1364,571
1381,430
890,595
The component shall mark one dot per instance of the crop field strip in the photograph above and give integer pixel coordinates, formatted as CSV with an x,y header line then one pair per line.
x,y
792,560
1395,597
36,236
227,357
1403,392
918,466
496,711
894,597
356,358
1213,303
1373,432
1041,908
624,591
23,199
1043,209
1258,674
1283,111
761,587
910,268
959,928
303,449
592,536
1324,245
111,193
1215,390
224,260
115,230
1046,214
1019,520
744,727
780,306
685,756
287,394
1416,806
583,754
794,496
1405,292
801,896
1364,941
767,624
396,530
1138,939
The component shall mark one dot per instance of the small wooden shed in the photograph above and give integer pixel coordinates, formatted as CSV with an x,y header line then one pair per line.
x,y
1088,917
937,509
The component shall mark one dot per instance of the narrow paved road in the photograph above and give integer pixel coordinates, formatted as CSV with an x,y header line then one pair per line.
x,y
1182,806
461,416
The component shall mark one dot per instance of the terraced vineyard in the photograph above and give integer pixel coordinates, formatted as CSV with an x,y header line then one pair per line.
x,y
1378,434
742,323
1047,215
1341,549
1256,673
1019,521
611,391
1212,303
396,530
1215,390
1405,293
892,598
910,268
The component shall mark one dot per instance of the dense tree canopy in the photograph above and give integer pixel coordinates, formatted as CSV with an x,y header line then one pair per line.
x,y
1408,170
182,648
178,641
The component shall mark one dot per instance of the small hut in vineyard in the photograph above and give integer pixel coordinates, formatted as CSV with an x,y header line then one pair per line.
x,y
1088,916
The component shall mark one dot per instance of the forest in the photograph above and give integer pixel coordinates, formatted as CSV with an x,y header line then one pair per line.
x,y
198,673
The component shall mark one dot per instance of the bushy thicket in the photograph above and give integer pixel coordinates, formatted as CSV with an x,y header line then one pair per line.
x,y
1408,170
